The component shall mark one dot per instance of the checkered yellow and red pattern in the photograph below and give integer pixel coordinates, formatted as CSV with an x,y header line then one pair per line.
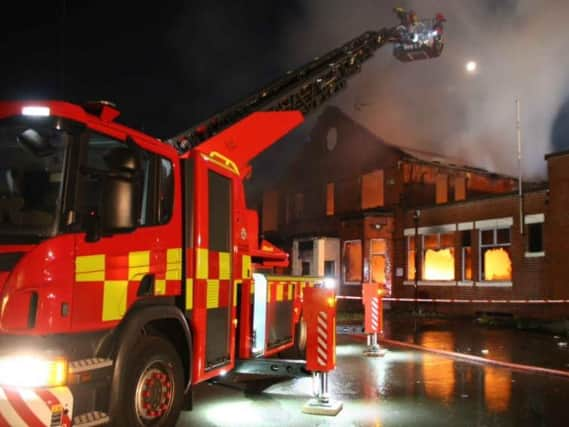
x,y
213,278
113,280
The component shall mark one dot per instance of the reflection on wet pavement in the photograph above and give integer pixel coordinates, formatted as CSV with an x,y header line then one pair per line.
x,y
405,388
464,336
438,373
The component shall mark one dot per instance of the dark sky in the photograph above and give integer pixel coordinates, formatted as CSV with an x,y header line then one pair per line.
x,y
165,64
169,64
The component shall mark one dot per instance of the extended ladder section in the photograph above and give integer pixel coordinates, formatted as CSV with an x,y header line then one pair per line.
x,y
308,87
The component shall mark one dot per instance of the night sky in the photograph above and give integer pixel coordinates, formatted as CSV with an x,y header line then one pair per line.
x,y
167,65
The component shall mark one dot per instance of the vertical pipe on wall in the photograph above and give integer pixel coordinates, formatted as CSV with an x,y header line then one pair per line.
x,y
519,141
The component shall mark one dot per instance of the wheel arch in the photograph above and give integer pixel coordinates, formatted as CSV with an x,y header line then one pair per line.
x,y
162,319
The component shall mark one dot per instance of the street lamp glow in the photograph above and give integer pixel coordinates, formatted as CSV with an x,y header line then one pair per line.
x,y
471,67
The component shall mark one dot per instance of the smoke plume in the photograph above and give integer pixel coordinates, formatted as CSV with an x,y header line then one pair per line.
x,y
435,105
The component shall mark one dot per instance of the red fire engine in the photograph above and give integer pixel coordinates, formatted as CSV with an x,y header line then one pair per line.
x,y
130,267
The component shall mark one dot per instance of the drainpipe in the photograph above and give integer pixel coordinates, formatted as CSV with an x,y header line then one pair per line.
x,y
520,190
416,216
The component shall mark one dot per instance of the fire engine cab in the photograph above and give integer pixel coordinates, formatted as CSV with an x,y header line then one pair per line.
x,y
130,267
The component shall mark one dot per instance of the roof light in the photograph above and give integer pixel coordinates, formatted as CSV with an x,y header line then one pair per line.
x,y
36,111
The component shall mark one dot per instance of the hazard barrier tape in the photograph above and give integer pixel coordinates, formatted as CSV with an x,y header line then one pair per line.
x,y
465,301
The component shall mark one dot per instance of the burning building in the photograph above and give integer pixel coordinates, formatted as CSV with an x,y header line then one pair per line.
x,y
428,227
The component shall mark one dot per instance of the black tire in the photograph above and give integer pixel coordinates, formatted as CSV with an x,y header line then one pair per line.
x,y
152,392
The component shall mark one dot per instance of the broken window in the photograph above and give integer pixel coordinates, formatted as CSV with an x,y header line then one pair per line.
x,y
535,235
411,258
329,268
438,256
352,261
441,186
466,248
378,252
495,258
372,189
305,268
460,188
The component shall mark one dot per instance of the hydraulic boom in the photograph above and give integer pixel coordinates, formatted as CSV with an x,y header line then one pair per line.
x,y
308,87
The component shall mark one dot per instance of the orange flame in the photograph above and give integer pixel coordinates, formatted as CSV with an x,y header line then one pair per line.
x,y
497,265
439,264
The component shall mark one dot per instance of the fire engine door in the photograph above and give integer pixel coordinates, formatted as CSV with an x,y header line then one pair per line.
x,y
115,270
218,283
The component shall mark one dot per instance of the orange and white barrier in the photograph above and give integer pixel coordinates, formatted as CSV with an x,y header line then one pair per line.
x,y
35,407
372,294
320,316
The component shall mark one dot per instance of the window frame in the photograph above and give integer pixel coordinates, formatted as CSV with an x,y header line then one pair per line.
x,y
463,250
439,247
153,182
495,244
532,220
344,269
372,254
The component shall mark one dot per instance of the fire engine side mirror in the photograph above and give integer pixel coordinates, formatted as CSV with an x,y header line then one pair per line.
x,y
121,202
121,205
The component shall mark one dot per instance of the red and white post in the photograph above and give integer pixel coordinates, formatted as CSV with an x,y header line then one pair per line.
x,y
372,294
320,315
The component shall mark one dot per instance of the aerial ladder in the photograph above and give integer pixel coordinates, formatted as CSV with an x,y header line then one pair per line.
x,y
311,85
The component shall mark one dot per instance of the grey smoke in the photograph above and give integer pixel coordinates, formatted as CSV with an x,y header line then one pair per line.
x,y
521,49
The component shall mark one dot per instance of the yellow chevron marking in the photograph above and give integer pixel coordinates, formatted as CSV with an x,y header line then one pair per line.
x,y
224,266
114,299
90,268
189,294
202,267
138,264
246,267
159,287
174,264
212,294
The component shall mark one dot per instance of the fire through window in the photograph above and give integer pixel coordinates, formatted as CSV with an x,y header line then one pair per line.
x,y
438,256
495,259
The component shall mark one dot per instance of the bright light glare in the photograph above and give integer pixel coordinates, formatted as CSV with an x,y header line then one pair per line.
x,y
32,371
36,111
329,283
234,413
471,66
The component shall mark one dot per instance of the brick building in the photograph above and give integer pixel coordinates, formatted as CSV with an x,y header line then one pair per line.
x,y
359,209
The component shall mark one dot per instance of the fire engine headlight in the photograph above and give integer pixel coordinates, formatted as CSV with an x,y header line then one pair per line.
x,y
32,371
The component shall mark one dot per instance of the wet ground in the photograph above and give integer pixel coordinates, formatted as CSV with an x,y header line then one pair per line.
x,y
404,388
507,344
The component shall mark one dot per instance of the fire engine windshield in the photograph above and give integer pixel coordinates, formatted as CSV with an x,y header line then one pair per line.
x,y
31,171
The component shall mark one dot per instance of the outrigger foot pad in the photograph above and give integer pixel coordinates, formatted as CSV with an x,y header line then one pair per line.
x,y
318,407
374,351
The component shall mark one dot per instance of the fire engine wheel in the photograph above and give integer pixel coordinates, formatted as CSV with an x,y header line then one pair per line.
x,y
154,386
